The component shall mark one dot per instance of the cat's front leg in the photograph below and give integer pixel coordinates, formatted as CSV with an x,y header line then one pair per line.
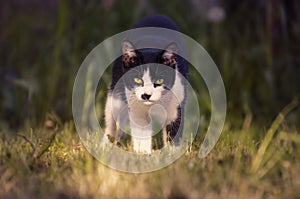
x,y
110,123
165,136
141,138
114,109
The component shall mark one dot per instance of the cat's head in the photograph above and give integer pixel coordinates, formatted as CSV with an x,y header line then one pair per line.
x,y
150,73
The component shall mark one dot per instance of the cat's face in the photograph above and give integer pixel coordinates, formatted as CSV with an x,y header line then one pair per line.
x,y
150,73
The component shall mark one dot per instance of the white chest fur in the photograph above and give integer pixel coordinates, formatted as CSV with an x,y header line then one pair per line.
x,y
163,112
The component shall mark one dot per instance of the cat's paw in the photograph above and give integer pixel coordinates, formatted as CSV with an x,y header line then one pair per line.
x,y
106,142
143,146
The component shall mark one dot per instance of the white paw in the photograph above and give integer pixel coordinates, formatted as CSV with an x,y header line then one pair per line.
x,y
106,143
142,145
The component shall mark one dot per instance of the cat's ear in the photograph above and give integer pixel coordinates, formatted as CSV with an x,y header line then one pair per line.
x,y
170,54
129,55
171,48
128,48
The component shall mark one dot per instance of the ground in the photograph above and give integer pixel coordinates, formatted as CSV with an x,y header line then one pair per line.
x,y
247,162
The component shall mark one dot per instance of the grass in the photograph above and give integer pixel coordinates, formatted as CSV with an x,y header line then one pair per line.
x,y
51,162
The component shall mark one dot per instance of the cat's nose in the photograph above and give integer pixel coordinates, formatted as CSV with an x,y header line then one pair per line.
x,y
145,96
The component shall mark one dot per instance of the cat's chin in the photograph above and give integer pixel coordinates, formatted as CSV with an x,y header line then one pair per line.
x,y
148,103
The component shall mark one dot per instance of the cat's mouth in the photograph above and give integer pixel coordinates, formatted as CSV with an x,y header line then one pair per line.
x,y
148,102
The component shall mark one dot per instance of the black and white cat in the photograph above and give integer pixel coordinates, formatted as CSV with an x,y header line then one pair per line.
x,y
147,86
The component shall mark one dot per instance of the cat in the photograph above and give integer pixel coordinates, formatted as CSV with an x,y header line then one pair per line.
x,y
147,86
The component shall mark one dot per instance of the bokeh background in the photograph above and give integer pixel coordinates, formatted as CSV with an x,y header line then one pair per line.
x,y
255,44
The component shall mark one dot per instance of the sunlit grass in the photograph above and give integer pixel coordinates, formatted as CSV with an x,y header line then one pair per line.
x,y
41,165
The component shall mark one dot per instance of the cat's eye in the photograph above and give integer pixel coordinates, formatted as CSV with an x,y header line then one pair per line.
x,y
138,80
159,81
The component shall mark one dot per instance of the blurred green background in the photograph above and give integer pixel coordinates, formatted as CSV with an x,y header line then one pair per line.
x,y
254,43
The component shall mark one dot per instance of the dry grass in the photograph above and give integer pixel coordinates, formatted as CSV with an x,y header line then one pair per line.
x,y
60,167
